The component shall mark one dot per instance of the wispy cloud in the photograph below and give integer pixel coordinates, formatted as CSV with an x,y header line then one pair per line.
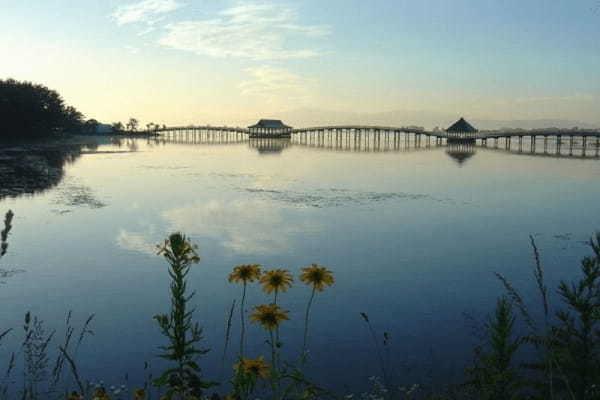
x,y
275,85
248,30
147,11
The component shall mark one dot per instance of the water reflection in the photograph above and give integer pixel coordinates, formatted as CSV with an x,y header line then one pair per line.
x,y
7,226
27,170
33,168
243,226
391,227
269,146
460,152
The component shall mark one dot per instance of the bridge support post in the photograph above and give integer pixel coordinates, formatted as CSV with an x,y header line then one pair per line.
x,y
520,143
571,145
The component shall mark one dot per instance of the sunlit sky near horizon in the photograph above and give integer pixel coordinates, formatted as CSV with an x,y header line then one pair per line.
x,y
231,62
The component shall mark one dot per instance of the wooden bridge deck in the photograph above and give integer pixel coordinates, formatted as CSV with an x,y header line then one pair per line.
x,y
378,129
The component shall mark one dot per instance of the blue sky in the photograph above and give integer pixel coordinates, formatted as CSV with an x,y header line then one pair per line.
x,y
231,62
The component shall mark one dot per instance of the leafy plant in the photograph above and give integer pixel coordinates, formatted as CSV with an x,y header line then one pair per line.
x,y
184,379
576,336
493,375
568,346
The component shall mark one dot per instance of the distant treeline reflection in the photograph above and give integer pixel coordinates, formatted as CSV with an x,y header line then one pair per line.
x,y
30,169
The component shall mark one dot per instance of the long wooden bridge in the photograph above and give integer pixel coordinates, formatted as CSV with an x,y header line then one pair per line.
x,y
583,142
387,130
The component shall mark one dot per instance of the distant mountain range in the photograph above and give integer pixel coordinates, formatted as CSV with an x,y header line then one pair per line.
x,y
315,117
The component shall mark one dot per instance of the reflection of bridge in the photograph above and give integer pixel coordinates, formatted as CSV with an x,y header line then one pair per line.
x,y
370,139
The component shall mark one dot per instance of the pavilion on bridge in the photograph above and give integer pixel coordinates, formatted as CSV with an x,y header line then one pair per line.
x,y
270,128
461,131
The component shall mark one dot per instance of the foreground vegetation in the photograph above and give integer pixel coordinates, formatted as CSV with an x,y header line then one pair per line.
x,y
558,357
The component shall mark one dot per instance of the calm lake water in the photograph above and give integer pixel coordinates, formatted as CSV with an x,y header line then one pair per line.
x,y
413,237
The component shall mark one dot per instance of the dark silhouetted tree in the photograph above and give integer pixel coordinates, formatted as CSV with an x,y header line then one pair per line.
x,y
132,125
91,126
29,110
117,126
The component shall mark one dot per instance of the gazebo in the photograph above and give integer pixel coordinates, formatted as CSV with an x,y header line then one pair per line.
x,y
461,131
270,128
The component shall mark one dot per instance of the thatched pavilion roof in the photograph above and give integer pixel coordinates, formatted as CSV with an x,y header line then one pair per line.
x,y
461,126
270,124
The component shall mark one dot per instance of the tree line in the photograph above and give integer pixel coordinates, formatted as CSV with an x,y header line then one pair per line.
x,y
29,110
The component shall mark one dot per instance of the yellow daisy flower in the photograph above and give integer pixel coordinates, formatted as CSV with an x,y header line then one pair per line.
x,y
139,394
245,273
278,280
100,394
316,276
252,367
269,315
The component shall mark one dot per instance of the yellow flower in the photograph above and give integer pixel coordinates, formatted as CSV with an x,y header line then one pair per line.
x,y
100,394
316,276
278,279
252,367
269,315
245,273
139,394
74,396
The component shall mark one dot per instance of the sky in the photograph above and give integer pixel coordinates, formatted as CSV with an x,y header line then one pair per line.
x,y
232,62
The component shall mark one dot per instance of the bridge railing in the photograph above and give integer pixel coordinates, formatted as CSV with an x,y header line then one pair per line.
x,y
378,129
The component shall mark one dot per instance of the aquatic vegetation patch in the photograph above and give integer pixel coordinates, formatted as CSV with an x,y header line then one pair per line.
x,y
74,194
325,198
